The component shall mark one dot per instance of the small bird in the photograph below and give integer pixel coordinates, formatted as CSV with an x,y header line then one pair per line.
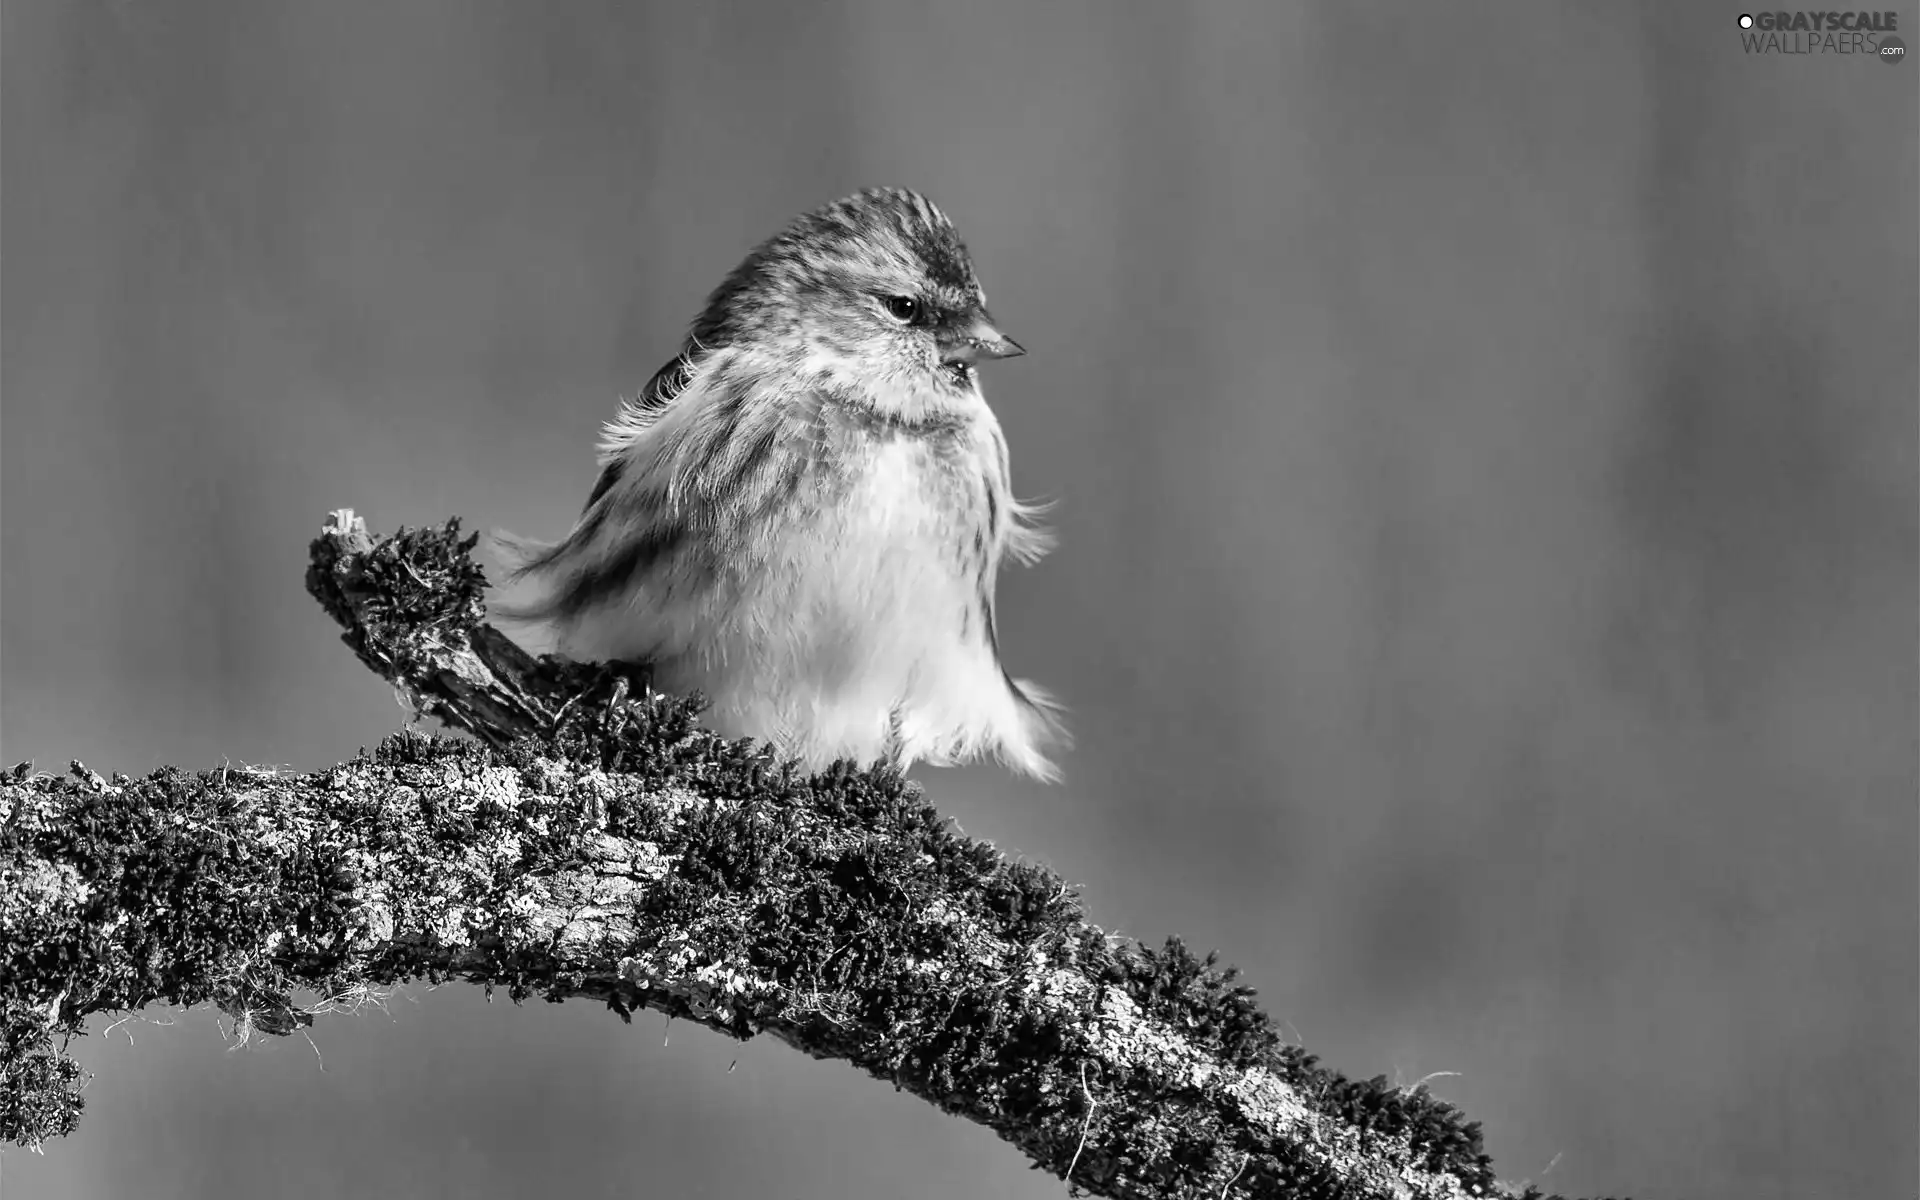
x,y
802,515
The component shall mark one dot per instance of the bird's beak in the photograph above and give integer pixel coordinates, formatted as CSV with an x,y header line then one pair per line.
x,y
975,340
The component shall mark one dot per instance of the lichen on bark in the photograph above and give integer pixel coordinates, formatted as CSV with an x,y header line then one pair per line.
x,y
592,841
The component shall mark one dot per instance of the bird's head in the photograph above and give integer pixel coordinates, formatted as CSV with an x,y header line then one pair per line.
x,y
874,293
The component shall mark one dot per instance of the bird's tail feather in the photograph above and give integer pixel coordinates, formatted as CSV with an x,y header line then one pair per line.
x,y
524,559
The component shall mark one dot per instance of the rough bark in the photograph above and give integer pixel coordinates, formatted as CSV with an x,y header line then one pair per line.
x,y
593,841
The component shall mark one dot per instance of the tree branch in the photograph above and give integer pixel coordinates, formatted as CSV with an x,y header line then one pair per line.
x,y
594,841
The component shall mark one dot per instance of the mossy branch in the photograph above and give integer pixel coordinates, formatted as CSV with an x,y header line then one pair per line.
x,y
594,841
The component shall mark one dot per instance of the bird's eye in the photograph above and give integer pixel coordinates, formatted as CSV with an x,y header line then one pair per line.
x,y
904,309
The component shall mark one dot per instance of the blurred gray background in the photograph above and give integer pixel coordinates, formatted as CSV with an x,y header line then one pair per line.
x,y
1484,439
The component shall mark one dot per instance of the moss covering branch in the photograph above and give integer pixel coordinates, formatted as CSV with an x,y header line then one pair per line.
x,y
595,842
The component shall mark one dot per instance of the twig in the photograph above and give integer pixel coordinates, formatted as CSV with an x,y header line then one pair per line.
x,y
701,879
1084,1127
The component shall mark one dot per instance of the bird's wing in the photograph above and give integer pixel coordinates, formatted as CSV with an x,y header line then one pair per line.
x,y
637,415
676,463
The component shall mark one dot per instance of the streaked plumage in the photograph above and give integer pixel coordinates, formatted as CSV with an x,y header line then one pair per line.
x,y
803,514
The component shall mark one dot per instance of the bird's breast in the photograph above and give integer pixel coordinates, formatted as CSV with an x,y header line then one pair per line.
x,y
865,601
904,520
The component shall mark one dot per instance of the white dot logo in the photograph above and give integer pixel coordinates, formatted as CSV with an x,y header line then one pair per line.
x,y
1892,49
1746,20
